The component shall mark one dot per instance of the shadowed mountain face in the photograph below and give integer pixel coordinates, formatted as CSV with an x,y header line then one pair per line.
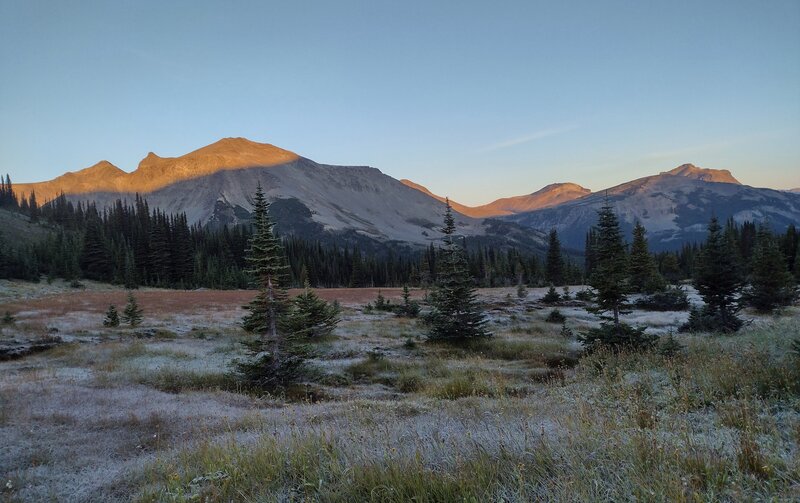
x,y
214,186
674,206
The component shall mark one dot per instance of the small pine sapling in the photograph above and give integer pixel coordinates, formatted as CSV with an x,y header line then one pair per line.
x,y
566,332
132,314
409,308
8,319
669,347
555,316
552,296
112,317
522,292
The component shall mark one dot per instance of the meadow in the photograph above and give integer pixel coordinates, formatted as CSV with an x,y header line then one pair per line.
x,y
152,413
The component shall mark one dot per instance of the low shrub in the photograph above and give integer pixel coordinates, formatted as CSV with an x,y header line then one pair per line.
x,y
617,337
552,296
555,316
705,320
670,299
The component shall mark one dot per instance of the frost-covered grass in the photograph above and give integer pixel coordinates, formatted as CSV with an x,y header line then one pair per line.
x,y
116,415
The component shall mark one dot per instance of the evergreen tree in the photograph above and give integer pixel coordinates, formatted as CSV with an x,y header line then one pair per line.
x,y
589,258
455,314
552,296
95,261
358,277
644,277
797,267
278,357
610,275
554,269
719,282
8,318
522,292
310,317
670,270
771,283
129,276
268,270
132,314
409,308
112,317
610,281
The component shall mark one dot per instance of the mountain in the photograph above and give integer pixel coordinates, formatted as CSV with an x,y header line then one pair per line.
x,y
550,195
213,185
703,174
675,207
156,172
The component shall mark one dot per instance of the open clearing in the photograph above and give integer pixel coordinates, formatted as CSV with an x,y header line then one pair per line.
x,y
151,414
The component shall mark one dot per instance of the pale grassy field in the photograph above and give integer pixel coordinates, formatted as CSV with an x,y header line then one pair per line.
x,y
151,414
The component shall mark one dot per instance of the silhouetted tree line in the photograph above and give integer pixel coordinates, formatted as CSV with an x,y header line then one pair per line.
x,y
131,244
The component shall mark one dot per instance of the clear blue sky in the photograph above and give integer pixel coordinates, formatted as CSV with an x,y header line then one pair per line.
x,y
473,99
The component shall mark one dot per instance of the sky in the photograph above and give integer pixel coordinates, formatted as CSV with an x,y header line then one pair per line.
x,y
475,100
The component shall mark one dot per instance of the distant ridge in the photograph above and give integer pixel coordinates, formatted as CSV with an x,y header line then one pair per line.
x,y
213,185
550,195
704,174
155,172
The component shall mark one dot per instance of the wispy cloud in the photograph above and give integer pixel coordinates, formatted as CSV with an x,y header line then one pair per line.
x,y
537,135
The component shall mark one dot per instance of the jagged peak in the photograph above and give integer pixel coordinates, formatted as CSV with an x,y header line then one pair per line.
x,y
704,174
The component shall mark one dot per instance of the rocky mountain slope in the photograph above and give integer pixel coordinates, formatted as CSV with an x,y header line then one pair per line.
x,y
214,185
674,206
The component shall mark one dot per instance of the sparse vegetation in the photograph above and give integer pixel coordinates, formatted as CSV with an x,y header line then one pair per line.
x,y
555,316
671,298
552,296
409,308
112,317
132,314
694,418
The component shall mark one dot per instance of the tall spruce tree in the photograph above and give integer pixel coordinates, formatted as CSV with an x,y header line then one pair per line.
x,y
644,277
610,280
277,358
268,272
589,259
456,314
718,279
771,283
554,269
610,276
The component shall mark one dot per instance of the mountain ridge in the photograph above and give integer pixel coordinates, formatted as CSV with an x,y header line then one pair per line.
x,y
155,172
212,186
549,195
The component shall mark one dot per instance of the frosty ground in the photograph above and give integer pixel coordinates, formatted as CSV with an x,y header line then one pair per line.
x,y
152,414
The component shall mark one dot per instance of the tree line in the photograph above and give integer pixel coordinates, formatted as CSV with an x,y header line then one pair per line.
x,y
132,245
